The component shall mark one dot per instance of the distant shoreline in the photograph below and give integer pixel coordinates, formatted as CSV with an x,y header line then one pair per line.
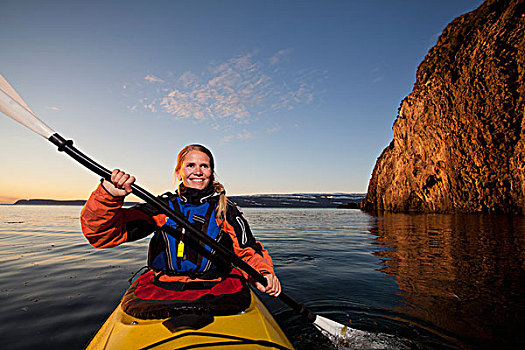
x,y
303,200
48,202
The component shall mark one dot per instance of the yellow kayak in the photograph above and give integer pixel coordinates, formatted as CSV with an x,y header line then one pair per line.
x,y
255,328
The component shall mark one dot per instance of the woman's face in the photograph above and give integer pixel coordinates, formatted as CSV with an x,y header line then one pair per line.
x,y
195,171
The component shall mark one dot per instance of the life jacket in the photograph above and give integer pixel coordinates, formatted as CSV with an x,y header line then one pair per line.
x,y
215,291
172,253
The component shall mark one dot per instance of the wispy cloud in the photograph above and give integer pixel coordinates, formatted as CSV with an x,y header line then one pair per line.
x,y
244,135
377,74
273,130
279,56
53,108
232,91
153,79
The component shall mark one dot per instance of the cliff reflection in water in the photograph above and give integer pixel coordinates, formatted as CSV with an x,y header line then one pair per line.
x,y
461,273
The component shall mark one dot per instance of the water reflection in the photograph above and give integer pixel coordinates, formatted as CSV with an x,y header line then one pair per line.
x,y
461,273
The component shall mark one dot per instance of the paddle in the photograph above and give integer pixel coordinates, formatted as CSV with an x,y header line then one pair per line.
x,y
12,105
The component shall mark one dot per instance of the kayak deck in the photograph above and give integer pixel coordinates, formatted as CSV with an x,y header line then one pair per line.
x,y
255,328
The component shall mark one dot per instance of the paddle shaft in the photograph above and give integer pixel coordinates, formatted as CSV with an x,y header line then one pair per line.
x,y
195,235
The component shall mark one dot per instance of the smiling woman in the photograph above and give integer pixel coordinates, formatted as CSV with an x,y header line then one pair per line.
x,y
202,200
195,170
195,166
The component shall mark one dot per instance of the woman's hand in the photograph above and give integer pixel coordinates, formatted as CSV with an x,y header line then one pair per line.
x,y
273,286
120,184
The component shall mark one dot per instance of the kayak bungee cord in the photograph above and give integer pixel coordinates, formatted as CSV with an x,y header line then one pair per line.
x,y
12,105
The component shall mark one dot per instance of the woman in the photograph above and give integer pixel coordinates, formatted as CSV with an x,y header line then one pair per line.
x,y
203,202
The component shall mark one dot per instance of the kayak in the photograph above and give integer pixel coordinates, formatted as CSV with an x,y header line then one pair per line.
x,y
254,328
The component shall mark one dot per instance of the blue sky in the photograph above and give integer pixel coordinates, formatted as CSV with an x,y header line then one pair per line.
x,y
291,96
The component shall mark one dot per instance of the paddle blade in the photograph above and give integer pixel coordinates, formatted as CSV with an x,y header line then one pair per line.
x,y
12,105
345,337
333,329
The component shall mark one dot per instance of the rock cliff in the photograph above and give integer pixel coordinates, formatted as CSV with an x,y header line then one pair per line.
x,y
459,137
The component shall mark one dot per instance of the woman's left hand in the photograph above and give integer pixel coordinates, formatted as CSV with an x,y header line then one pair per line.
x,y
273,286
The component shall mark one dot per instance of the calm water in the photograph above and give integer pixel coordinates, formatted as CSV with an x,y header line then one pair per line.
x,y
429,281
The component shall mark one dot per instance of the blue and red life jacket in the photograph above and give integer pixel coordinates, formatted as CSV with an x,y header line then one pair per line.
x,y
215,292
172,253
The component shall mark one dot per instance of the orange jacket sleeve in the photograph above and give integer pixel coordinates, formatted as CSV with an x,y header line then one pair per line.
x,y
106,224
244,244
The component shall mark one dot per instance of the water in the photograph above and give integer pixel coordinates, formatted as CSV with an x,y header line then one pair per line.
x,y
418,281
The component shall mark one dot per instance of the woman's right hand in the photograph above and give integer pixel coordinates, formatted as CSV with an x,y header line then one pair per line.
x,y
120,184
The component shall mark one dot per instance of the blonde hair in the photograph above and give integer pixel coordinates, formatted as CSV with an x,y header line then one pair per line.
x,y
222,206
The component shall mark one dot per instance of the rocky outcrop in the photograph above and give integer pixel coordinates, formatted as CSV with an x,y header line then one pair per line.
x,y
459,137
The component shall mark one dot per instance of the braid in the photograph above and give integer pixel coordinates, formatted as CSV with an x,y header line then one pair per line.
x,y
222,205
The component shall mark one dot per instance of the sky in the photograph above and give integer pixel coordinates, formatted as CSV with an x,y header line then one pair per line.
x,y
291,96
